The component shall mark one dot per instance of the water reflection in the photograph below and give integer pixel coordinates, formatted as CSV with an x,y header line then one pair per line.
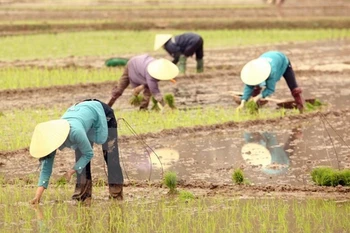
x,y
263,149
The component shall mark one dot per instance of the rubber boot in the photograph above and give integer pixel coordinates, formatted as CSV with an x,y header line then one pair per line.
x,y
116,191
182,64
83,191
200,66
296,93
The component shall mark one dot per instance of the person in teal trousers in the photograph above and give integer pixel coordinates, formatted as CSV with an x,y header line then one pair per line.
x,y
87,122
261,75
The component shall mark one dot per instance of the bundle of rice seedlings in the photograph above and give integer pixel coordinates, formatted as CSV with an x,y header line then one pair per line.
x,y
252,107
155,106
170,100
136,100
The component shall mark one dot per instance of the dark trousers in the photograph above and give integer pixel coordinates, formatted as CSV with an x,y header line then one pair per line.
x,y
110,151
195,48
289,76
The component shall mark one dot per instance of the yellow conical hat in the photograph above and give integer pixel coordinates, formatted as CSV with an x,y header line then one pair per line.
x,y
48,136
160,40
162,69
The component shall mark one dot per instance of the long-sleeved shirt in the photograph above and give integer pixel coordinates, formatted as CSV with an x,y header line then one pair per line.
x,y
279,63
88,124
181,44
138,75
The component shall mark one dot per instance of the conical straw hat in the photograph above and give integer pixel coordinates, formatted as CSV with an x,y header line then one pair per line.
x,y
256,71
160,40
162,69
48,136
256,154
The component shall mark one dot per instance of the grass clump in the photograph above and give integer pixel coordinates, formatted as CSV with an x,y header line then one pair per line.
x,y
252,107
325,176
170,180
170,100
186,195
314,106
238,176
136,100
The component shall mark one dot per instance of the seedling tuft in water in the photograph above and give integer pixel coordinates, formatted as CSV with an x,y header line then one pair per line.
x,y
238,176
326,176
170,180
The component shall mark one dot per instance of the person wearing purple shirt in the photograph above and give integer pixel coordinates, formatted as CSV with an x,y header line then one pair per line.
x,y
263,73
143,72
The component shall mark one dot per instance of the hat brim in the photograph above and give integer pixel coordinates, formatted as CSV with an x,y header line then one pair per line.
x,y
162,69
48,136
255,71
256,154
160,40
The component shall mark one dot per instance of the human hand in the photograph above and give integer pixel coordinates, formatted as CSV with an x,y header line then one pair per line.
x,y
35,201
68,175
136,91
241,106
256,98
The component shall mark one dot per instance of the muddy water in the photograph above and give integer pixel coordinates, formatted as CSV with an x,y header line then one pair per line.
x,y
269,155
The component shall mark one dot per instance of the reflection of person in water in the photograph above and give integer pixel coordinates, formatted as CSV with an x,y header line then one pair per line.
x,y
264,149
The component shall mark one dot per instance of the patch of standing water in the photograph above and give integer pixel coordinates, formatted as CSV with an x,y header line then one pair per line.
x,y
268,155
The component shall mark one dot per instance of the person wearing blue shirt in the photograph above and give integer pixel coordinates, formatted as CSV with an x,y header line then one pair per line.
x,y
90,121
263,73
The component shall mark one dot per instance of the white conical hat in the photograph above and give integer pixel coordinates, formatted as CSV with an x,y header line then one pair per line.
x,y
256,71
48,136
256,154
160,40
162,69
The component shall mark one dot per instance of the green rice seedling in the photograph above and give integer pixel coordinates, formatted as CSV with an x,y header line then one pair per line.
x,y
238,176
170,100
186,195
252,107
136,100
61,182
325,176
344,177
155,106
170,180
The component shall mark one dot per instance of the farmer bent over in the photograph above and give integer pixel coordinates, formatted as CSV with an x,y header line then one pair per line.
x,y
263,73
143,72
181,47
83,124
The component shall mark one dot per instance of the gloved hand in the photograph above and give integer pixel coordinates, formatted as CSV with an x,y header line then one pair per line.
x,y
256,98
241,106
